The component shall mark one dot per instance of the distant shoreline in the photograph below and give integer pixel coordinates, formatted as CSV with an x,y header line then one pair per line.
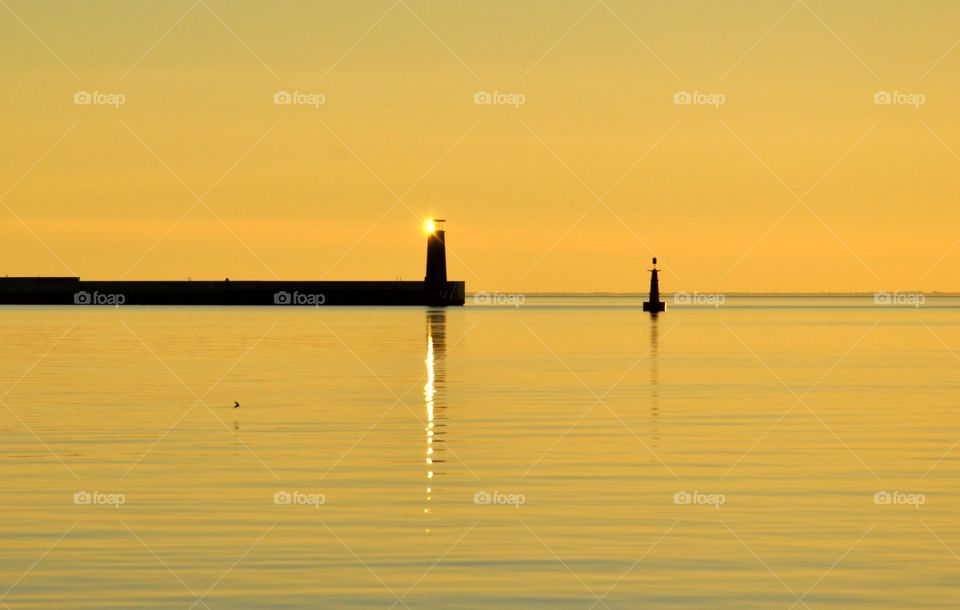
x,y
727,294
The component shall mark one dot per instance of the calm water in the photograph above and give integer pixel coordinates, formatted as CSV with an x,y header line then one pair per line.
x,y
570,452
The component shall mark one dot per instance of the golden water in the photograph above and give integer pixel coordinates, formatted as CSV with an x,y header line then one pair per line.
x,y
529,456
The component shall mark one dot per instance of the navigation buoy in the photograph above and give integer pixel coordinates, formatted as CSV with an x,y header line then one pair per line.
x,y
654,305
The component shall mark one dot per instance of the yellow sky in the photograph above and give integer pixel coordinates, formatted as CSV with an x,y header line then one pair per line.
x,y
798,181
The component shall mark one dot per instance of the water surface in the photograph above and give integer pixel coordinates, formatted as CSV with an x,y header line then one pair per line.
x,y
566,453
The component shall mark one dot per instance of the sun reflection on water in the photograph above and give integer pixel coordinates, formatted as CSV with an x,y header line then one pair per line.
x,y
432,396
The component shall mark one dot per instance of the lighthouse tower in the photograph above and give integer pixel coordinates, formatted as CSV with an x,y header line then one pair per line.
x,y
654,305
436,254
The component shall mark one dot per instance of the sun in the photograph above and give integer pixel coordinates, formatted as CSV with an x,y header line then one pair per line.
x,y
428,226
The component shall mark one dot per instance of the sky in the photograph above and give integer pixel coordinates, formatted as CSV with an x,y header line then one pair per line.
x,y
819,148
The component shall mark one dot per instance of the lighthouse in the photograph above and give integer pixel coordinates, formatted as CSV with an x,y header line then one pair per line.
x,y
436,276
434,291
654,305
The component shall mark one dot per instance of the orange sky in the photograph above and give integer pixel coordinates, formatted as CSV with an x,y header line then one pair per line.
x,y
797,181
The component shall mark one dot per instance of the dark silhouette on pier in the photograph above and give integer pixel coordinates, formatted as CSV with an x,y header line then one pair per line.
x,y
434,290
436,254
654,305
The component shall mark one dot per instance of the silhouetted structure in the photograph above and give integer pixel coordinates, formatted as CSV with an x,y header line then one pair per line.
x,y
436,254
654,305
435,290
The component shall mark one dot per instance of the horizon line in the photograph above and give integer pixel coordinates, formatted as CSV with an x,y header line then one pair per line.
x,y
717,292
